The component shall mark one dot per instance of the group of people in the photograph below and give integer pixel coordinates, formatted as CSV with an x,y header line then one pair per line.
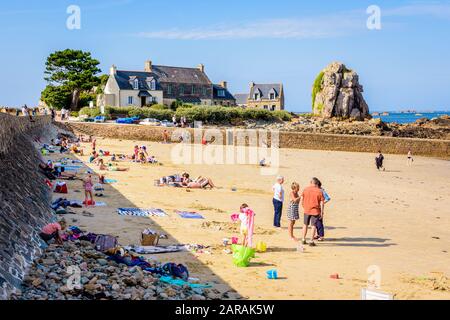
x,y
182,123
312,199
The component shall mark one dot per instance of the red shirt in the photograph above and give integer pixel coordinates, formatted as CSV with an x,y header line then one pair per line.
x,y
312,197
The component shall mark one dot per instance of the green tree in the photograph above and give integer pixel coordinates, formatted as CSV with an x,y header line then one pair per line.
x,y
73,69
56,96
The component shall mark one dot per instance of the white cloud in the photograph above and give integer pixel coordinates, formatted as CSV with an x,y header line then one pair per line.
x,y
327,26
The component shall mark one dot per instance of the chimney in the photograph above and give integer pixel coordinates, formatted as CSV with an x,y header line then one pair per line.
x,y
113,70
148,66
201,67
223,84
252,84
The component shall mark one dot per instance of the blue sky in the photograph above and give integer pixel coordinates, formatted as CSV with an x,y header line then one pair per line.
x,y
404,65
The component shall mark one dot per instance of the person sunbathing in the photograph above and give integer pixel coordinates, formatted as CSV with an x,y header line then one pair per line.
x,y
200,183
109,167
55,172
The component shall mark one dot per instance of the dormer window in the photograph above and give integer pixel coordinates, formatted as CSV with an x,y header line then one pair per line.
x,y
256,96
221,93
151,84
272,94
136,84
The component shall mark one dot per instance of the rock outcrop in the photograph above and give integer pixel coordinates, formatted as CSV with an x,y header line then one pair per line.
x,y
337,93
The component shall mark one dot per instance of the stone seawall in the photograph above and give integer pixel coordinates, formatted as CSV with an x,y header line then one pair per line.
x,y
294,140
24,198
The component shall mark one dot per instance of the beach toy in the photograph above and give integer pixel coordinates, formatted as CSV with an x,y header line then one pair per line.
x,y
334,276
242,255
225,241
272,274
89,202
44,152
234,240
235,217
261,246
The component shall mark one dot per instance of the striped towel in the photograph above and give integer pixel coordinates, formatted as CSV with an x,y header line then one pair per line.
x,y
141,212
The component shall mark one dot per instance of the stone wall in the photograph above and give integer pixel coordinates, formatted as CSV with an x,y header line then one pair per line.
x,y
294,140
24,198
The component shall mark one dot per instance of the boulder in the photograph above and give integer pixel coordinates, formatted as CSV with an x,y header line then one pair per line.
x,y
338,93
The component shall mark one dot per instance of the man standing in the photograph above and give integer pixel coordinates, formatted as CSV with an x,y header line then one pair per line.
x,y
278,197
313,205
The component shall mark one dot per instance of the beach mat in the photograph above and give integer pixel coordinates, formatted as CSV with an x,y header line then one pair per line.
x,y
156,249
181,283
110,181
141,212
189,215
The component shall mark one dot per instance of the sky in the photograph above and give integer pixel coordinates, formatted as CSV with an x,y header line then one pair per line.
x,y
402,65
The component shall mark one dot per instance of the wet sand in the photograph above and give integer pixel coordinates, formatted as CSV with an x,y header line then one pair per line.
x,y
398,220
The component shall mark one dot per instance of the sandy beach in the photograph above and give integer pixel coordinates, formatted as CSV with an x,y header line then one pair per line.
x,y
397,220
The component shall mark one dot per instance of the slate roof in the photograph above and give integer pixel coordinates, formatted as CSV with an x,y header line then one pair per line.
x,y
265,88
162,74
228,95
241,98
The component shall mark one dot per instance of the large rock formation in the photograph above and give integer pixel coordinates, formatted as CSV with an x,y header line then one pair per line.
x,y
337,93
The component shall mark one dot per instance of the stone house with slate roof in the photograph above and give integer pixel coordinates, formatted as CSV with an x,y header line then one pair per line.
x,y
163,85
269,96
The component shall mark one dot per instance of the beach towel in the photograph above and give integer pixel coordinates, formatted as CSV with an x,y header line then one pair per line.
x,y
250,225
189,215
110,181
72,168
180,283
156,249
141,212
80,203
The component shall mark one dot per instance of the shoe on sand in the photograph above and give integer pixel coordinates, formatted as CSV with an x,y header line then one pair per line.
x,y
312,244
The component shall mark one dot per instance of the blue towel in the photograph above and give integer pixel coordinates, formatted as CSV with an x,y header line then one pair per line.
x,y
189,215
110,181
141,212
181,282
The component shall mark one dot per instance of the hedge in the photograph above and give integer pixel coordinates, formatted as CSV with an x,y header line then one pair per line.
x,y
207,114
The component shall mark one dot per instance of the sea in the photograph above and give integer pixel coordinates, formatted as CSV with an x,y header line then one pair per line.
x,y
409,117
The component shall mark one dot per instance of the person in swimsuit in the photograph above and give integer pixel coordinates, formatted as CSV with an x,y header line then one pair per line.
x,y
88,186
409,159
201,182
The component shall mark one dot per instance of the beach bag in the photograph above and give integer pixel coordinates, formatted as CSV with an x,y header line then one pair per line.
x,y
61,187
242,255
149,239
176,270
105,242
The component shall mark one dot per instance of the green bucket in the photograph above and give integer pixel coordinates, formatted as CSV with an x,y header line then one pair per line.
x,y
242,255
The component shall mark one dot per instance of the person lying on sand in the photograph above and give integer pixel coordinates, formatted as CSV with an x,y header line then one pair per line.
x,y
200,183
109,166
53,172
53,231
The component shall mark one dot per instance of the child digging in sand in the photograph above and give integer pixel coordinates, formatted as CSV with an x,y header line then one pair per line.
x,y
292,214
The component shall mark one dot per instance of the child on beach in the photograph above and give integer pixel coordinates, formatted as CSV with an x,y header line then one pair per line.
x,y
88,186
246,216
410,159
53,231
292,214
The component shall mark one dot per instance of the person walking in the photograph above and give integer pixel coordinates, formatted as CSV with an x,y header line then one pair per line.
x,y
278,197
313,203
410,159
379,161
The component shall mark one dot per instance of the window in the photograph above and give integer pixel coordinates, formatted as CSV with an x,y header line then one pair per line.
x,y
169,89
130,100
136,84
272,96
181,89
193,89
221,93
256,96
151,84
204,91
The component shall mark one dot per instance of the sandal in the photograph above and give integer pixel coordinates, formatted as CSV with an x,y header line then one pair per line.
x,y
312,244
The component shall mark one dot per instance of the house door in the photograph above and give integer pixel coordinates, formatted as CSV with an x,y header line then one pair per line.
x,y
143,101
